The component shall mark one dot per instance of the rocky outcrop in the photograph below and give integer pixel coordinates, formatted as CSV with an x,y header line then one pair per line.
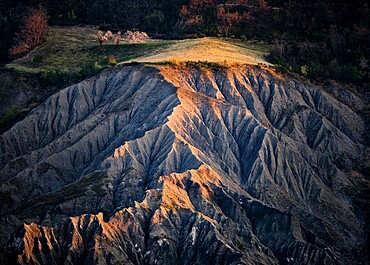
x,y
144,165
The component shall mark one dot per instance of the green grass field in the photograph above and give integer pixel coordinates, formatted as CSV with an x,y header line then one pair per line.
x,y
69,49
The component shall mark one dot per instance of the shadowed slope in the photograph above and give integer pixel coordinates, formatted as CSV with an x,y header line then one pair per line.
x,y
181,166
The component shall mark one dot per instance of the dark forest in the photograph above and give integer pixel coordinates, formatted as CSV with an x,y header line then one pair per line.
x,y
329,38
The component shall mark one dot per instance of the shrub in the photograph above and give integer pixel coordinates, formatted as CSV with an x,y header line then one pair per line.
x,y
103,61
37,59
217,66
304,70
112,60
175,63
89,69
205,64
10,115
53,77
58,78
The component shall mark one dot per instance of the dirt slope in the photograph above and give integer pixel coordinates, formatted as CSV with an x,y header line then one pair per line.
x,y
143,165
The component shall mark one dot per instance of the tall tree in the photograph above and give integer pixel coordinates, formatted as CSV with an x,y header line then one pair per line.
x,y
33,32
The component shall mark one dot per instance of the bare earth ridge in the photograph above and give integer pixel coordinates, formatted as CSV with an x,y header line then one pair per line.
x,y
144,165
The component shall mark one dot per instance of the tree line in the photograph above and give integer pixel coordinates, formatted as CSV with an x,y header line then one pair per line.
x,y
318,37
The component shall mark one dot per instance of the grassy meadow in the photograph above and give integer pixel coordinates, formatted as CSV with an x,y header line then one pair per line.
x,y
70,49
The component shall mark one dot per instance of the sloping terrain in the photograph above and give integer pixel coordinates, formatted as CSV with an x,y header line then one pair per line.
x,y
70,49
208,49
70,54
144,165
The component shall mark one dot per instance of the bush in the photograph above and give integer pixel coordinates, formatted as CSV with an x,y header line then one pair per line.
x,y
103,61
89,69
9,116
175,63
112,60
59,78
37,59
206,64
217,66
304,70
53,77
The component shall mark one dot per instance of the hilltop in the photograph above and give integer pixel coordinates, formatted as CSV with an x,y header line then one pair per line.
x,y
71,54
72,48
211,50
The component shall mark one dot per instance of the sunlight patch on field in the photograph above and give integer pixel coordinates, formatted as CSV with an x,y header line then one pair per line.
x,y
207,49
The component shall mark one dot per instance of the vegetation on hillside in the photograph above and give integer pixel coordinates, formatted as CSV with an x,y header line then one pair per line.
x,y
320,39
72,49
67,56
32,34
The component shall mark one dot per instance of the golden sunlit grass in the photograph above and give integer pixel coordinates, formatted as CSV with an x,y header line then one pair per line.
x,y
210,50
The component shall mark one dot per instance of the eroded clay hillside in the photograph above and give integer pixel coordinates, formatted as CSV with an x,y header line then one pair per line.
x,y
144,165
